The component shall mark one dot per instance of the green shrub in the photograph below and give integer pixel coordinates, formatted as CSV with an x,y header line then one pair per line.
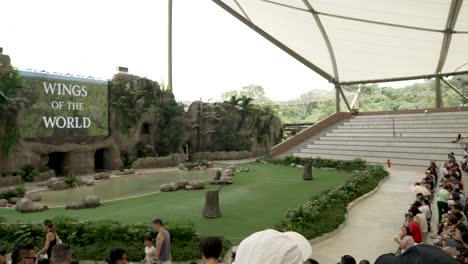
x,y
349,165
194,164
91,240
28,173
127,160
70,180
18,191
326,211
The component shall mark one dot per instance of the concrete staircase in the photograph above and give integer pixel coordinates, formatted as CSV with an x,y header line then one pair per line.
x,y
405,139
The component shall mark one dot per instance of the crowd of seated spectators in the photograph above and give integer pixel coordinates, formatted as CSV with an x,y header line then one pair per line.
x,y
451,226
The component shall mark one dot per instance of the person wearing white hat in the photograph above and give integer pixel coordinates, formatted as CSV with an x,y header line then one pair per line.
x,y
273,247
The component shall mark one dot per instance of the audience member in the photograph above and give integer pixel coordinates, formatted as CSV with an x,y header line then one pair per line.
x,y
347,259
210,249
61,254
364,261
150,250
442,201
117,256
414,228
422,221
50,239
3,259
23,254
404,240
271,246
43,261
163,243
311,261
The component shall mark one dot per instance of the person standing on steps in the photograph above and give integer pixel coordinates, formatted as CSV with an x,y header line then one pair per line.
x,y
442,201
163,243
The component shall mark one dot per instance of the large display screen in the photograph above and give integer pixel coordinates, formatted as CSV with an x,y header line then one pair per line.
x,y
60,106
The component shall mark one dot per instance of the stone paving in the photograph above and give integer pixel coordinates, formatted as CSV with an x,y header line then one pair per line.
x,y
373,222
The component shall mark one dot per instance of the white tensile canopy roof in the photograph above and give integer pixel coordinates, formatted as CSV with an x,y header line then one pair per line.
x,y
364,41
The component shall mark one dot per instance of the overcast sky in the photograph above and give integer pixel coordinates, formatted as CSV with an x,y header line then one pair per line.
x,y
212,51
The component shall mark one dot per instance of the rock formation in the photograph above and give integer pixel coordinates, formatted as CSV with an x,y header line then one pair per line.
x,y
148,128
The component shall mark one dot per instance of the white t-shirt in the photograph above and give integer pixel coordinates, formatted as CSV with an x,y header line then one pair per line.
x,y
150,252
421,219
425,210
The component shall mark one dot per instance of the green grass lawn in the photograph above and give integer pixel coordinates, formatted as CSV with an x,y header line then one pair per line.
x,y
257,200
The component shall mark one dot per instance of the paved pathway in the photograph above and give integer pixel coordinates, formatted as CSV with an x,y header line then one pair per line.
x,y
373,222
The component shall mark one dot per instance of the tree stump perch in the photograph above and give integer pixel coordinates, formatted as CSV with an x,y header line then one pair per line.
x,y
211,208
307,176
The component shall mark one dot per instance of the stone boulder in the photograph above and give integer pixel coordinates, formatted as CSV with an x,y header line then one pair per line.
x,y
34,196
175,186
228,172
231,167
102,176
51,182
128,171
189,188
24,205
166,188
243,169
59,185
13,200
182,183
91,201
210,165
3,202
74,205
225,180
84,181
197,185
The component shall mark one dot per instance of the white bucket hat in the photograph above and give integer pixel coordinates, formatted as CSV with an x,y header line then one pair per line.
x,y
273,247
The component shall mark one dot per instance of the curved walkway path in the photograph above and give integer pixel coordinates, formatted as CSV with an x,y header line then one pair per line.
x,y
372,223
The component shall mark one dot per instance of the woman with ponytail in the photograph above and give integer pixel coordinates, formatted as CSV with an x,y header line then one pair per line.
x,y
51,238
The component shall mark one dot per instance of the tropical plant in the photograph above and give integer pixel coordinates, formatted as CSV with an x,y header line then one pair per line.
x,y
70,180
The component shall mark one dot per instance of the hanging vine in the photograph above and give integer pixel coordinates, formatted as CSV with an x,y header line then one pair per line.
x,y
10,106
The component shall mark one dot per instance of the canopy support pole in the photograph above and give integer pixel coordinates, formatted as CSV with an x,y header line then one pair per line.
x,y
449,27
344,97
454,88
337,98
438,93
169,45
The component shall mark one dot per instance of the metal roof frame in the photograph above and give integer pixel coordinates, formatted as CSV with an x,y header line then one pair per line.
x,y
448,33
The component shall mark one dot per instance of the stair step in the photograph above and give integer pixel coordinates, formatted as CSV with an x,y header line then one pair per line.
x,y
441,123
448,136
388,155
387,144
409,125
453,131
418,115
388,139
336,148
410,121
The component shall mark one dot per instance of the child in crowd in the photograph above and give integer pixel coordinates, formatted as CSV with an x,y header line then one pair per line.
x,y
150,250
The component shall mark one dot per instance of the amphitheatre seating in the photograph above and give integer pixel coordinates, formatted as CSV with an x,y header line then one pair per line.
x,y
405,139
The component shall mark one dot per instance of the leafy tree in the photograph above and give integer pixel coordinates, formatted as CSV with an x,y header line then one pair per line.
x,y
257,93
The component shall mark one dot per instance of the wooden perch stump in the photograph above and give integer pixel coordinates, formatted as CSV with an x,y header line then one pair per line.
x,y
308,171
211,209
